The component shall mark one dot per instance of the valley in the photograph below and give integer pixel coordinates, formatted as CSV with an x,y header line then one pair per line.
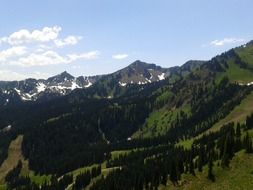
x,y
142,127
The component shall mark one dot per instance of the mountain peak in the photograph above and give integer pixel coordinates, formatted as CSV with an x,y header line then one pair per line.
x,y
138,63
64,76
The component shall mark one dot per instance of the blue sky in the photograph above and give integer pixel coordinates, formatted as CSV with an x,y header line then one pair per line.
x,y
87,37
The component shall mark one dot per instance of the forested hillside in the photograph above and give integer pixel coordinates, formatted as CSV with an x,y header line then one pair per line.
x,y
155,135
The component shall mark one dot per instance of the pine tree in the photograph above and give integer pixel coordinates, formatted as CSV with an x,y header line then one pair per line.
x,y
225,157
200,158
238,143
164,179
249,121
173,173
248,143
200,164
192,168
210,171
238,130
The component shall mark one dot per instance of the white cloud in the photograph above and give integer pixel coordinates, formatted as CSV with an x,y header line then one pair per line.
x,y
120,56
45,35
36,59
40,48
70,40
226,41
50,58
87,56
25,36
12,52
3,40
8,75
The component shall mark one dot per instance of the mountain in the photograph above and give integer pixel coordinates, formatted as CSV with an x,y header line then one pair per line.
x,y
32,89
141,73
190,94
147,127
136,73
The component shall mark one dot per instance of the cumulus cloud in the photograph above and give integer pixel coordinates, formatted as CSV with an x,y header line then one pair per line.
x,y
87,56
40,48
12,52
70,40
8,75
120,56
50,58
25,36
226,41
45,35
36,59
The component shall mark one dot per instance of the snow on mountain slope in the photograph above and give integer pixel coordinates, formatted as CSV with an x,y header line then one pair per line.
x,y
62,84
138,72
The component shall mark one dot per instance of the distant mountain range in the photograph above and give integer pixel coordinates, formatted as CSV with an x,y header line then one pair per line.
x,y
137,73
33,89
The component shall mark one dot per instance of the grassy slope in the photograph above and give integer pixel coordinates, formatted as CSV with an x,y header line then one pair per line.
x,y
38,179
238,177
246,54
105,171
236,74
238,114
156,123
159,121
14,155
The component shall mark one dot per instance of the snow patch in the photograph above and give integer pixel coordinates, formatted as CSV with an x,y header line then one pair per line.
x,y
59,87
41,87
74,85
88,85
148,80
142,82
151,76
161,76
18,91
122,83
7,128
27,97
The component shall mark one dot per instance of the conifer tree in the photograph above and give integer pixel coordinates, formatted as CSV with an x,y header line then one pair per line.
x,y
192,167
248,143
210,170
173,173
